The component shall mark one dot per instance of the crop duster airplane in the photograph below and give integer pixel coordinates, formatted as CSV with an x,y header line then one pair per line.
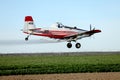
x,y
58,31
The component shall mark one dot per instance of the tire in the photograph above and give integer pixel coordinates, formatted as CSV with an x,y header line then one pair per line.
x,y
78,45
26,39
69,45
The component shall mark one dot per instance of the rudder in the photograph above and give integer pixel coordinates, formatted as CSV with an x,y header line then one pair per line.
x,y
29,24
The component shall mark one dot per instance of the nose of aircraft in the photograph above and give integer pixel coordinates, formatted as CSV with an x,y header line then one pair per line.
x,y
97,31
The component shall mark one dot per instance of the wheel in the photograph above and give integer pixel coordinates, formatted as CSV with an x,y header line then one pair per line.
x,y
69,45
26,38
78,45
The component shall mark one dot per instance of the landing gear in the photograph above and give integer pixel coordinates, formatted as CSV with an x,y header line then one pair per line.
x,y
77,45
69,45
26,39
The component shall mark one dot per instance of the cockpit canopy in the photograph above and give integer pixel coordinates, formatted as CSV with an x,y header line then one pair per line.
x,y
60,25
57,25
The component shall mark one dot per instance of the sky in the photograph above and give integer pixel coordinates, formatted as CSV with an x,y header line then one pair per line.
x,y
102,14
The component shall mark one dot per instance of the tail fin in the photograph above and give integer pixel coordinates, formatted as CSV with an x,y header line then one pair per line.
x,y
29,24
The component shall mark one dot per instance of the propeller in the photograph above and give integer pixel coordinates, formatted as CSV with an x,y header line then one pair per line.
x,y
91,27
92,30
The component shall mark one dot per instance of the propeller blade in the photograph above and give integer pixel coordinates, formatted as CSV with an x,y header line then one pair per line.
x,y
90,27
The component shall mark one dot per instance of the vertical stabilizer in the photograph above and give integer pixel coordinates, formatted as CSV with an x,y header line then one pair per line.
x,y
29,24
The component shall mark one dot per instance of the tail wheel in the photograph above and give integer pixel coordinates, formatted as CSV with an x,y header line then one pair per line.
x,y
69,45
26,39
78,45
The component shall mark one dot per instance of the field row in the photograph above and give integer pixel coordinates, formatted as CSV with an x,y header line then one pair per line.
x,y
47,64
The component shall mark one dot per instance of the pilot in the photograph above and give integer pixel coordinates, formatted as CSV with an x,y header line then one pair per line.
x,y
59,25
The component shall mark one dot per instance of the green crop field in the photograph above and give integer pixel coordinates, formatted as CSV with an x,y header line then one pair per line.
x,y
48,64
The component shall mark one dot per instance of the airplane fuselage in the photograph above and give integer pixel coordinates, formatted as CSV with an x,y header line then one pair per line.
x,y
54,33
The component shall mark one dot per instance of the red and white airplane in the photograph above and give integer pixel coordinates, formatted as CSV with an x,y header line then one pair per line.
x,y
58,31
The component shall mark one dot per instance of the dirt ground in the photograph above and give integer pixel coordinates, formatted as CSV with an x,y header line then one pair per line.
x,y
70,76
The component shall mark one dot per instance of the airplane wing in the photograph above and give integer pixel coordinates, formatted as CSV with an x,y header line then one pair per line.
x,y
84,34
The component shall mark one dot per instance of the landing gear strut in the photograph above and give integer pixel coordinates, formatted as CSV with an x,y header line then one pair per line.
x,y
77,45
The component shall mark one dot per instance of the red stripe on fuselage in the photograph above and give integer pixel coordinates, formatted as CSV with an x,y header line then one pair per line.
x,y
53,33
